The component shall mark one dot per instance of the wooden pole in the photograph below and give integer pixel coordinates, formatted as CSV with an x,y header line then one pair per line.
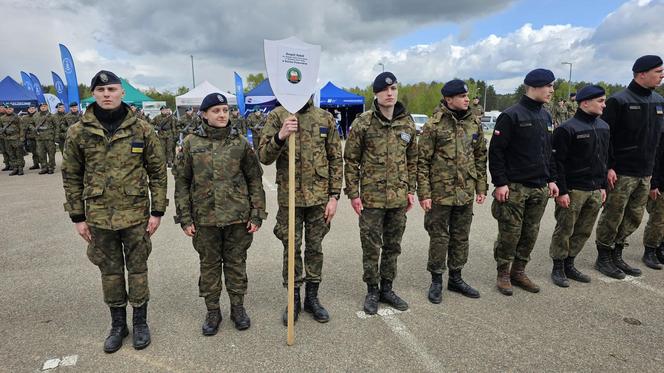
x,y
291,239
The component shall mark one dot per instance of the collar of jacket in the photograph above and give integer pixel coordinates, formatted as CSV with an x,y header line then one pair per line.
x,y
399,112
639,89
216,133
585,117
457,114
90,118
530,103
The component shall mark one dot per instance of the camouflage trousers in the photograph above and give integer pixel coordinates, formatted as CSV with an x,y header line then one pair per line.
x,y
5,153
518,222
448,228
112,251
574,224
381,229
309,221
222,250
15,150
61,143
654,231
623,210
31,147
168,147
46,154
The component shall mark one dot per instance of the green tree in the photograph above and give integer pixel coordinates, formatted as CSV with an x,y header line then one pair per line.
x,y
253,80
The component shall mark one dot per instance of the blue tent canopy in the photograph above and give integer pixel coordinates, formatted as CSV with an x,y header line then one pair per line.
x,y
11,92
261,97
331,95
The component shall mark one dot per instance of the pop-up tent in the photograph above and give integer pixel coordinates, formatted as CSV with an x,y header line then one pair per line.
x,y
11,92
345,106
195,96
132,96
261,97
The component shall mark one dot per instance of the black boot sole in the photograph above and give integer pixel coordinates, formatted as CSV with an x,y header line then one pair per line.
x,y
507,292
464,293
140,347
110,351
313,315
241,326
617,275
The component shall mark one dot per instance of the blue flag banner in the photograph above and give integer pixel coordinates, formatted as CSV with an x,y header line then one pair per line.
x,y
27,82
37,88
70,75
239,93
60,89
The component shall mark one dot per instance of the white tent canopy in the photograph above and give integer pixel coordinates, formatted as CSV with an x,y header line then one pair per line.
x,y
196,95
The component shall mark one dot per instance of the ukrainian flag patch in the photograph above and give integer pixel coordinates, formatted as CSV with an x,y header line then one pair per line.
x,y
137,147
323,131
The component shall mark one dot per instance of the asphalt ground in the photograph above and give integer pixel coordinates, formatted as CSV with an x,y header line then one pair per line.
x,y
51,304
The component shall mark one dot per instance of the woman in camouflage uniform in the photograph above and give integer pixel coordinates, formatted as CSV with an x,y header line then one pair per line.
x,y
220,203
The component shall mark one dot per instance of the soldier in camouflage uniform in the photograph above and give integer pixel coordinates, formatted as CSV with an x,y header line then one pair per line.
x,y
73,116
318,179
381,177
239,122
636,118
61,123
256,121
477,109
571,105
451,168
12,132
220,203
559,113
165,125
114,177
523,171
3,149
580,148
30,136
189,123
46,130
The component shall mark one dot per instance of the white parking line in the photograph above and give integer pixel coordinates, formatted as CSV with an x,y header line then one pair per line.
x,y
636,281
66,361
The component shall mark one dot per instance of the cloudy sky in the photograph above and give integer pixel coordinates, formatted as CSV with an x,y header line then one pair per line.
x,y
149,42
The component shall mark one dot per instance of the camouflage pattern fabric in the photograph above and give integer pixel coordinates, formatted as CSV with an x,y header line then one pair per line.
x,y
381,231
12,133
653,235
623,210
107,179
518,222
46,133
319,166
30,137
112,251
575,223
476,110
166,128
222,250
448,228
451,166
311,220
60,120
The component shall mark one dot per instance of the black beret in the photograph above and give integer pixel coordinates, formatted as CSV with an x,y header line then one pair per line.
x,y
383,80
454,87
539,78
42,104
32,105
572,94
72,104
213,99
59,104
589,92
103,78
645,63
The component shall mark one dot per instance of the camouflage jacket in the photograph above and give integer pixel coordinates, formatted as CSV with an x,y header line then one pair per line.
x,y
3,118
165,126
107,179
188,125
61,120
72,118
27,121
559,114
381,158
11,128
46,128
451,165
219,180
318,161
477,110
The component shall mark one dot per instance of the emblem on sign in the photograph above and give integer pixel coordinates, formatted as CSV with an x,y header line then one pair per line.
x,y
67,65
293,75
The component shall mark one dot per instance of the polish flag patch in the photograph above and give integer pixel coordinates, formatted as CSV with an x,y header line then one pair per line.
x,y
496,132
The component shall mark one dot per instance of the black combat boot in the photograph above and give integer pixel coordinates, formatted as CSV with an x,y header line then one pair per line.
x,y
436,288
35,167
20,171
660,253
50,171
14,172
572,273
7,168
212,320
650,258
240,317
312,304
43,172
118,330
141,332
457,284
620,263
371,300
605,264
296,310
558,274
387,295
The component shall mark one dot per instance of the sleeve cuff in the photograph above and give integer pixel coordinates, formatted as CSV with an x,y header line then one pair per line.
x,y
278,141
77,218
157,213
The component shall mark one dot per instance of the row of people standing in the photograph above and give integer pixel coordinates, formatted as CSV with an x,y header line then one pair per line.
x,y
37,133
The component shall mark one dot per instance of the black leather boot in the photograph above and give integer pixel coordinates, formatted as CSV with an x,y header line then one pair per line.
x,y
14,172
650,258
371,300
387,295
558,274
118,330
312,304
572,273
7,168
211,324
34,167
240,317
141,332
457,284
296,311
620,263
660,253
436,288
605,265
20,171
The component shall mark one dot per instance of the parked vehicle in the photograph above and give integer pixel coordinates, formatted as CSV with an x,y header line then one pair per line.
x,y
420,120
